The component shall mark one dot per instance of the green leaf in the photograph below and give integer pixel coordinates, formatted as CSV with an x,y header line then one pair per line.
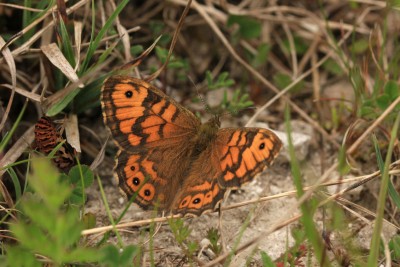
x,y
79,183
68,228
87,175
383,101
300,45
46,183
32,238
332,67
262,54
83,255
33,208
221,81
249,28
394,246
136,50
127,255
17,256
192,247
89,220
391,89
282,81
360,46
112,256
266,260
213,236
180,231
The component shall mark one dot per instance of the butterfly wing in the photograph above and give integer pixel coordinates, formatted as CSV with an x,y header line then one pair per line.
x,y
153,133
152,178
245,153
140,116
235,157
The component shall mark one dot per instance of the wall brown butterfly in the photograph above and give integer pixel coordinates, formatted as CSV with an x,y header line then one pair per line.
x,y
168,159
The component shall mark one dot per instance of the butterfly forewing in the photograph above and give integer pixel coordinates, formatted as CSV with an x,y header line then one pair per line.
x,y
244,153
140,115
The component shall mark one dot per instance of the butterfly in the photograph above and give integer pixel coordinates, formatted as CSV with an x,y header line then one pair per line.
x,y
47,137
168,159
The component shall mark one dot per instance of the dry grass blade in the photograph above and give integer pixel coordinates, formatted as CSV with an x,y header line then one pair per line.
x,y
72,132
173,42
21,7
29,95
13,72
100,156
54,54
78,41
40,32
123,33
17,149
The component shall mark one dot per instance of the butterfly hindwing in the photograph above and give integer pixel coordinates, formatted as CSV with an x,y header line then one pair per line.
x,y
233,158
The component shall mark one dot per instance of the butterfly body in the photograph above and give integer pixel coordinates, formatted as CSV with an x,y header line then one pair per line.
x,y
168,159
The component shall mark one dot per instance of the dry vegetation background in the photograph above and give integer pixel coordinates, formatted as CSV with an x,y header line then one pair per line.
x,y
334,64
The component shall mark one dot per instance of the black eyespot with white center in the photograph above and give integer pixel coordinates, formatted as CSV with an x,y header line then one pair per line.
x,y
261,146
147,192
196,201
133,168
128,94
136,181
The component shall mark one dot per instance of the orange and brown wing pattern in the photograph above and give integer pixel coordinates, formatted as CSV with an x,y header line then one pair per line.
x,y
142,116
198,198
138,178
235,157
153,178
244,153
200,192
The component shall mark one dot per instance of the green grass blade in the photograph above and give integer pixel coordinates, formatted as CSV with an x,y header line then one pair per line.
x,y
381,164
394,195
306,208
392,191
375,241
59,106
16,183
90,96
7,138
67,49
108,210
95,43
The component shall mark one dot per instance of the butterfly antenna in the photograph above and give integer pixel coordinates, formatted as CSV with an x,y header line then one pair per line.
x,y
203,101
